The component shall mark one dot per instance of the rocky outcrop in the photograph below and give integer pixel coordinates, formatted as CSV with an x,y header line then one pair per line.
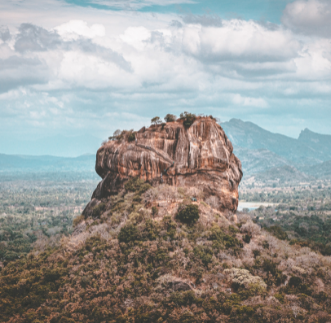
x,y
200,155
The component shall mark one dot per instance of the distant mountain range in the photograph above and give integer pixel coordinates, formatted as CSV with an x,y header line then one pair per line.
x,y
273,155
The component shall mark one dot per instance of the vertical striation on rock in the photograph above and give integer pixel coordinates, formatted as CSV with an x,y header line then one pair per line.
x,y
200,155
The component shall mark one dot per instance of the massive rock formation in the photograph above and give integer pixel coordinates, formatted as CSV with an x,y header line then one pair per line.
x,y
200,155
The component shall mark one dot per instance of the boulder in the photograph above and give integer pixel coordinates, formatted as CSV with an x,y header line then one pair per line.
x,y
200,155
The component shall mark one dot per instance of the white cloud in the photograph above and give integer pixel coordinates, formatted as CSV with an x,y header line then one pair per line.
x,y
239,40
137,4
250,102
311,17
105,62
74,29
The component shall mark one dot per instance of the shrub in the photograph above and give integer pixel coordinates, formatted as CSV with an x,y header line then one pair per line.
x,y
188,214
278,232
136,185
131,137
247,238
204,253
189,118
170,118
295,281
243,278
156,120
128,233
78,220
256,253
265,244
98,210
155,211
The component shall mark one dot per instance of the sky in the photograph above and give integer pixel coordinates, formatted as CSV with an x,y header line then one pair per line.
x,y
87,68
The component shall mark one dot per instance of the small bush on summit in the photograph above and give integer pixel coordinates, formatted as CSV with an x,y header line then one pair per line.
x,y
170,118
189,118
131,137
188,214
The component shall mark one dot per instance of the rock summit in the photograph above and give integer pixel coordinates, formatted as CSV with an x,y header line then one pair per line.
x,y
200,155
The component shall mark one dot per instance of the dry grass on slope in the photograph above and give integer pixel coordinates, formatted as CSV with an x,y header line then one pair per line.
x,y
135,262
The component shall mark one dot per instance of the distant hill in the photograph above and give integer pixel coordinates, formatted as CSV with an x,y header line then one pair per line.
x,y
271,155
283,174
258,160
321,171
309,149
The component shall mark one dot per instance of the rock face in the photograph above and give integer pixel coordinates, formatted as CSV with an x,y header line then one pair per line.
x,y
200,155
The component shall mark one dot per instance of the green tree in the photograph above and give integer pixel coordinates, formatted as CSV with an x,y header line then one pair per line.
x,y
170,118
189,118
156,120
188,214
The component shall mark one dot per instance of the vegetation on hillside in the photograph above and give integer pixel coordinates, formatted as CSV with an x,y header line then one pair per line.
x,y
129,263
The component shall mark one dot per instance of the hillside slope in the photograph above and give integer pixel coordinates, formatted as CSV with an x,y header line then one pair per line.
x,y
135,260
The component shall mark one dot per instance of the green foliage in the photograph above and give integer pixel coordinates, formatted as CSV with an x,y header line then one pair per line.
x,y
274,275
247,238
265,244
131,137
203,253
280,297
295,281
78,220
155,211
222,240
136,185
128,233
131,233
278,232
170,226
156,120
20,292
188,214
256,253
98,210
188,118
170,118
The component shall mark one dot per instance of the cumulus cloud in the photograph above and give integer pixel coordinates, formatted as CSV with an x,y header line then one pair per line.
x,y
204,20
34,38
311,17
247,101
4,33
18,71
240,40
137,4
115,65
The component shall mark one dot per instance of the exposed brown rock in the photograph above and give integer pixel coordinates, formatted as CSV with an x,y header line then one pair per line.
x,y
198,156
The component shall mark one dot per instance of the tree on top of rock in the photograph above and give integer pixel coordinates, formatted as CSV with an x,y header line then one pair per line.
x,y
189,118
170,118
156,120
